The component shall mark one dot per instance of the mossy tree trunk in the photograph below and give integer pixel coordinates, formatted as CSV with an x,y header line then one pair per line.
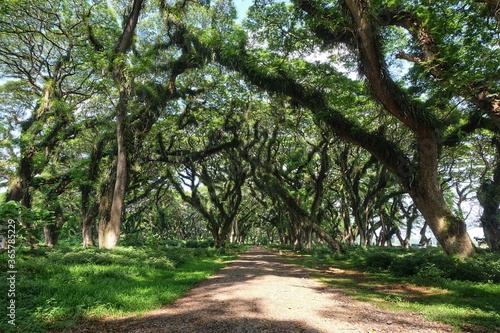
x,y
109,228
489,198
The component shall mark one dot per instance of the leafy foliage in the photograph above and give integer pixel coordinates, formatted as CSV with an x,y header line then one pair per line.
x,y
429,264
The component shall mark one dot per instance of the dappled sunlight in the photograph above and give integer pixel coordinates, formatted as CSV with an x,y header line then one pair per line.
x,y
259,292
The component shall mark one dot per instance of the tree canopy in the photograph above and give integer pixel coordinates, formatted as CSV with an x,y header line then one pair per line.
x,y
341,122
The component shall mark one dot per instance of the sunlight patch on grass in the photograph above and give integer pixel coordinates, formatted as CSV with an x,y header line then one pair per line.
x,y
58,287
464,305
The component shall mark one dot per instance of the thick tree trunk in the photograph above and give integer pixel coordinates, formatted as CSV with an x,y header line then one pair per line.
x,y
20,192
109,229
309,235
489,198
363,237
424,241
298,232
449,230
51,233
235,232
105,203
89,208
348,234
220,232
53,230
218,238
297,244
490,221
88,231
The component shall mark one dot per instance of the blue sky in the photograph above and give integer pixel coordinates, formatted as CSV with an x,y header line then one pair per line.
x,y
242,7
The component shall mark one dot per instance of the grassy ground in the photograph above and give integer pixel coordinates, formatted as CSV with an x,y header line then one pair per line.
x,y
56,288
467,306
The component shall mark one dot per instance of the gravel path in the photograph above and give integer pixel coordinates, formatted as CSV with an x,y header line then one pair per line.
x,y
258,292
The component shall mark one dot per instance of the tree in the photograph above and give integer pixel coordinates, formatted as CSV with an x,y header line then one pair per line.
x,y
40,47
210,179
416,167
109,228
489,197
292,163
145,88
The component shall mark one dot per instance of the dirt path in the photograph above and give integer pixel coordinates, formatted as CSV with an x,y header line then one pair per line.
x,y
260,293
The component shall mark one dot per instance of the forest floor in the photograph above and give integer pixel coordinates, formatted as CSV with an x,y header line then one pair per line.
x,y
261,292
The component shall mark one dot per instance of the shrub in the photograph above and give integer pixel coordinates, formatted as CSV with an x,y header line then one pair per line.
x,y
132,239
174,242
322,253
413,262
434,264
201,243
179,256
379,260
429,271
479,268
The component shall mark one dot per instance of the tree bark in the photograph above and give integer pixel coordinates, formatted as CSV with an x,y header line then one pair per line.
x,y
105,201
89,208
88,230
52,232
489,198
109,228
449,230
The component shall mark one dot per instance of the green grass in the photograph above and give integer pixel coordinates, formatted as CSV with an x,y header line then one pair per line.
x,y
56,288
466,305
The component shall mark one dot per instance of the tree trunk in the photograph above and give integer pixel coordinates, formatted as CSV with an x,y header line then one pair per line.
x,y
490,221
489,198
20,192
105,204
363,237
53,230
309,234
89,207
235,233
109,229
88,231
450,232
297,244
51,233
218,238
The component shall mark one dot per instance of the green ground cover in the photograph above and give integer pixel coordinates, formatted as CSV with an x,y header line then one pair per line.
x,y
462,293
55,288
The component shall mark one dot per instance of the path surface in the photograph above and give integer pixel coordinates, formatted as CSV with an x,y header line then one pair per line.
x,y
260,293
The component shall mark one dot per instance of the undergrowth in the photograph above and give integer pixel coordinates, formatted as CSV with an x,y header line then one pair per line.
x,y
55,288
461,292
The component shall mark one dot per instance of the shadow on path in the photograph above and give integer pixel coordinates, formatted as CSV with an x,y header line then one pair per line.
x,y
259,292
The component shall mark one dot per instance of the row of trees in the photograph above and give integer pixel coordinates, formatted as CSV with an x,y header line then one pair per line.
x,y
149,115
